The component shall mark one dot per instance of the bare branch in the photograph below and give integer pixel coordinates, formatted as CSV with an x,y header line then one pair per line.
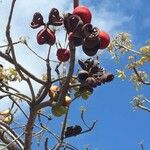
x,y
48,82
62,131
29,74
16,95
9,144
38,54
18,106
29,129
144,108
46,144
90,129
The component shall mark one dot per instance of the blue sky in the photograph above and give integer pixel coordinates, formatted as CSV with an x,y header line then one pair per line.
x,y
118,127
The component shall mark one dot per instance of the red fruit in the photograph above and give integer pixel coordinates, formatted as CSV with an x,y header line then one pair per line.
x,y
63,54
84,13
104,39
46,36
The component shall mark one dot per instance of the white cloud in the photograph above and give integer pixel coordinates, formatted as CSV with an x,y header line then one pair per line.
x,y
108,20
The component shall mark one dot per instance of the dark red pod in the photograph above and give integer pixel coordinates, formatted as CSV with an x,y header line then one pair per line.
x,y
90,36
37,20
73,23
77,41
54,18
90,52
91,81
46,36
83,75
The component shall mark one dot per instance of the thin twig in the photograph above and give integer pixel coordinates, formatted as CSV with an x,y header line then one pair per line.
x,y
18,106
132,50
14,43
46,144
38,54
48,83
144,108
142,146
140,78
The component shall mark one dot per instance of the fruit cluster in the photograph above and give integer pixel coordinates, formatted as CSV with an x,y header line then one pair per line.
x,y
73,131
92,75
81,31
46,35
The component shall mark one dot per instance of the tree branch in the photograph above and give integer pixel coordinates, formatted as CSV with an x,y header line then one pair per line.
x,y
29,130
10,133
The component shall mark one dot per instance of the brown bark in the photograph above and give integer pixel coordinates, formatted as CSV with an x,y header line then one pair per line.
x,y
29,130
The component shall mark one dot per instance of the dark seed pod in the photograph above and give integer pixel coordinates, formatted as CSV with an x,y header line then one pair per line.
x,y
77,41
73,23
89,63
83,75
95,62
90,36
69,131
73,131
66,22
77,130
107,77
90,52
91,81
98,74
94,70
54,18
82,64
37,20
98,81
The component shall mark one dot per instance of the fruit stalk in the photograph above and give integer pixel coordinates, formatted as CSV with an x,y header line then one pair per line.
x,y
76,3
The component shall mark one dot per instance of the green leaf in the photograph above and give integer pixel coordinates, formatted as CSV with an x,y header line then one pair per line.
x,y
85,96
